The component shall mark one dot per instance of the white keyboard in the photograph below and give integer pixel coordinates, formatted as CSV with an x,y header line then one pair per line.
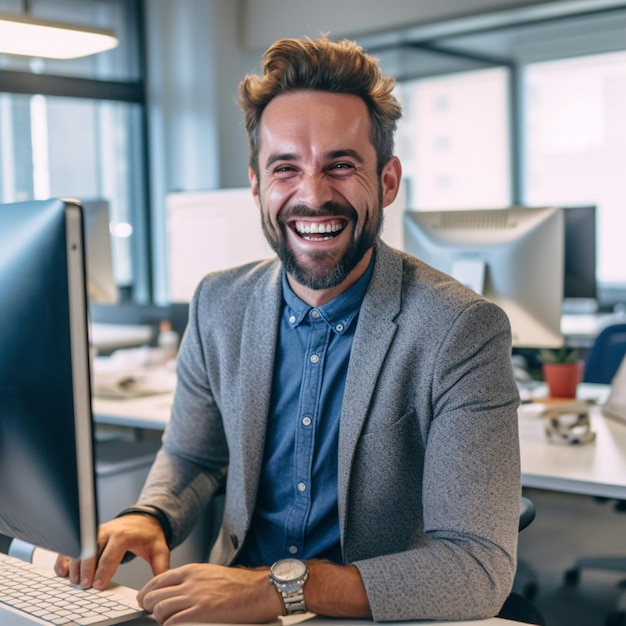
x,y
33,595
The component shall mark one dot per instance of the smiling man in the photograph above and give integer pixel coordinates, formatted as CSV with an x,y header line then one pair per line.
x,y
319,191
357,405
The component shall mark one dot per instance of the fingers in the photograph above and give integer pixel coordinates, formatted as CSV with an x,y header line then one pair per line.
x,y
160,560
139,534
79,572
109,560
167,579
210,593
170,599
62,566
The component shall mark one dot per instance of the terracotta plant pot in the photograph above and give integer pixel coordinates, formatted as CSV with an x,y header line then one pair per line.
x,y
563,378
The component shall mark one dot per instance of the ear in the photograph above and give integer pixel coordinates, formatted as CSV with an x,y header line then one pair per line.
x,y
254,184
391,178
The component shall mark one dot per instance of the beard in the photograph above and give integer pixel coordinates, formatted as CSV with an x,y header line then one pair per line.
x,y
321,269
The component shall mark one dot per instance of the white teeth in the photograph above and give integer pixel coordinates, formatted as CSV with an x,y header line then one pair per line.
x,y
315,228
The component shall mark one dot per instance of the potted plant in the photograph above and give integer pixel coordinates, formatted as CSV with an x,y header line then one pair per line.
x,y
562,371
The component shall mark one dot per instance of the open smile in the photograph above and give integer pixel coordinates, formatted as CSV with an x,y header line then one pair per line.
x,y
319,231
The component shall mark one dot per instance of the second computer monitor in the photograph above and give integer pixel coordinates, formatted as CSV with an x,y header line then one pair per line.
x,y
580,254
101,287
512,256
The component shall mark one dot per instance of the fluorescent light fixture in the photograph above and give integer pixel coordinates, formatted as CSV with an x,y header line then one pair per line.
x,y
26,36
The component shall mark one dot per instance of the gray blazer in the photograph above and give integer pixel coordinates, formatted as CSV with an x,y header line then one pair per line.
x,y
429,478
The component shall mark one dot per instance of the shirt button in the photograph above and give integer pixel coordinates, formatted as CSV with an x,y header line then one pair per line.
x,y
315,314
292,319
301,486
293,549
339,328
315,358
306,420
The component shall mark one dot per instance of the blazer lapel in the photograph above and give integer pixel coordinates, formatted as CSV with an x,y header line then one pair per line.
x,y
258,348
375,331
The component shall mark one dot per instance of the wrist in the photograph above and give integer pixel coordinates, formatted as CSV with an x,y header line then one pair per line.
x,y
153,512
336,591
289,577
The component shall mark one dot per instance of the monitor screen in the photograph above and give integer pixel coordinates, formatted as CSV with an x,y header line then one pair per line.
x,y
580,253
47,490
512,256
101,287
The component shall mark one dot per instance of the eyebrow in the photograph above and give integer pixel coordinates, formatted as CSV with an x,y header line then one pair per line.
x,y
333,154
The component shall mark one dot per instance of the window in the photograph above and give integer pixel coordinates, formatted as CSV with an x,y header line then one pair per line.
x,y
575,137
76,129
454,140
545,126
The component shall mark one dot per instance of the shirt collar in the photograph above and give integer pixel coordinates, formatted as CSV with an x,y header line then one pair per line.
x,y
338,313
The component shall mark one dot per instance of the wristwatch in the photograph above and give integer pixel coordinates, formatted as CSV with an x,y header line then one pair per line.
x,y
289,576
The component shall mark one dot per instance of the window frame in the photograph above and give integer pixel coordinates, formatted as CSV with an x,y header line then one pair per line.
x,y
17,82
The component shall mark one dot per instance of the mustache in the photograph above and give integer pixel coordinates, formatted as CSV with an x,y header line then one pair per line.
x,y
328,209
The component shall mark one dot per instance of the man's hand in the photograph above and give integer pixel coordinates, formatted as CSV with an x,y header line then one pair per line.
x,y
214,593
140,534
211,593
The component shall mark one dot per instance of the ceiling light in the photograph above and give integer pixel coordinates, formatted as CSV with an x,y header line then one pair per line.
x,y
26,36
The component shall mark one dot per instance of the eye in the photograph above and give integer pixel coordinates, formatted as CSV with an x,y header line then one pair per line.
x,y
284,171
342,168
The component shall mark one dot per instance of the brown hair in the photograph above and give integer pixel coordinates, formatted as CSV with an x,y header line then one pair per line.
x,y
321,64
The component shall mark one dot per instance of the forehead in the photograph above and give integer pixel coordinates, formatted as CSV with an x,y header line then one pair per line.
x,y
307,117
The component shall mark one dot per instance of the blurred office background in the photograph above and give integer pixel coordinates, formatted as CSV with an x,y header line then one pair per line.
x,y
506,101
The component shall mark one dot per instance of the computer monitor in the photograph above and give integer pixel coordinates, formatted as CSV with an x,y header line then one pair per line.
x,y
580,254
512,256
101,287
208,231
47,482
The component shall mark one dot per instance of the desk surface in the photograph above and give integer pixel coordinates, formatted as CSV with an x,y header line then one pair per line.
x,y
595,469
143,412
319,621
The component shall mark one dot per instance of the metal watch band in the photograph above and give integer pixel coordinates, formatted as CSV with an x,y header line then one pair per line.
x,y
294,602
288,576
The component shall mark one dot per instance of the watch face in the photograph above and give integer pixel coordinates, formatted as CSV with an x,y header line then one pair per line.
x,y
287,570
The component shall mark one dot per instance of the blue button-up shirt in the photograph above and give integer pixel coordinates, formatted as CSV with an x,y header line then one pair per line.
x,y
296,509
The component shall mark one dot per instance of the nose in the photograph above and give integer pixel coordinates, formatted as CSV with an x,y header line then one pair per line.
x,y
314,190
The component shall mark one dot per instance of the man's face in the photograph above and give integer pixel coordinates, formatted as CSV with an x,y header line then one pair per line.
x,y
320,197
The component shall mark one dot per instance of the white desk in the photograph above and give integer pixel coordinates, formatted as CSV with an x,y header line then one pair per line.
x,y
595,469
312,620
151,412
320,621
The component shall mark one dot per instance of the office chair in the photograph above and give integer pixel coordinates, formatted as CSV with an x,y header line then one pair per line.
x,y
517,607
606,355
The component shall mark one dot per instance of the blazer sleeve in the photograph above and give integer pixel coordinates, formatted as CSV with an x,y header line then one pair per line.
x,y
191,465
463,564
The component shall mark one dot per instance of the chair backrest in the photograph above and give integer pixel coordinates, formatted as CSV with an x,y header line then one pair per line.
x,y
606,355
527,512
